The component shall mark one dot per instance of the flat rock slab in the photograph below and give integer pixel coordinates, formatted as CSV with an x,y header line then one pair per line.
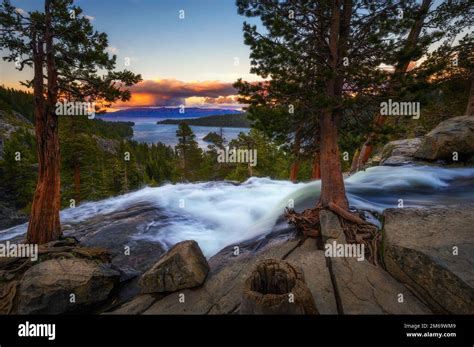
x,y
136,306
432,251
317,277
366,289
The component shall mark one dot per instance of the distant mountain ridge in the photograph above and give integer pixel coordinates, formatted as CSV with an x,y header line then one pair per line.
x,y
167,112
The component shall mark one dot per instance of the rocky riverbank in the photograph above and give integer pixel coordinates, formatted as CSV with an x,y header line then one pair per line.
x,y
427,269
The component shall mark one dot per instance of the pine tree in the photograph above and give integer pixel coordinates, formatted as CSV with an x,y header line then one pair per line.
x,y
317,39
65,54
188,152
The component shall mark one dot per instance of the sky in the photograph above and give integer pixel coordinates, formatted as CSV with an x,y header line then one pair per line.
x,y
191,61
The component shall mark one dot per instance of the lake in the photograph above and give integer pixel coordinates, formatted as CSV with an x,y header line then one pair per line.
x,y
146,130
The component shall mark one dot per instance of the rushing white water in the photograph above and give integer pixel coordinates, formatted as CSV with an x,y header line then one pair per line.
x,y
218,214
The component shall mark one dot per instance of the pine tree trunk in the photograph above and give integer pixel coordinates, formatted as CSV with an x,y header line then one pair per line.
x,y
470,101
316,167
296,152
77,181
332,182
294,171
355,161
365,154
44,225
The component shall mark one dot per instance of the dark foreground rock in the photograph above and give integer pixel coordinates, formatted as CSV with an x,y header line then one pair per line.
x,y
49,286
183,266
432,252
66,277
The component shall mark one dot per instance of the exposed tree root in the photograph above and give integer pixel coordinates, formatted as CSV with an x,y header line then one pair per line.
x,y
355,228
366,234
351,217
307,221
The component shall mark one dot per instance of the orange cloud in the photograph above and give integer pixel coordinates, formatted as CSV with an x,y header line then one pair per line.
x,y
170,92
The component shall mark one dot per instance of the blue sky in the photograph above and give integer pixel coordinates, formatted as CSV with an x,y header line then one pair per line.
x,y
191,61
206,46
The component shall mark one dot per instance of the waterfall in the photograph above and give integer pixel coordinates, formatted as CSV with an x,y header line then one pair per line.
x,y
219,214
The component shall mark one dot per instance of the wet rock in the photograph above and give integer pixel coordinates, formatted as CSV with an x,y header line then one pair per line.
x,y
183,266
117,230
453,135
46,288
432,251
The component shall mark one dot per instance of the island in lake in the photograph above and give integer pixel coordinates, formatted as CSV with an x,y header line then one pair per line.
x,y
229,121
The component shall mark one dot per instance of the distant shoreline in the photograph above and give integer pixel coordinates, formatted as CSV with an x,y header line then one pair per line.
x,y
227,121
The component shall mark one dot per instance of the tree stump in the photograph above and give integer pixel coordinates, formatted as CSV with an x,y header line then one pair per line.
x,y
276,287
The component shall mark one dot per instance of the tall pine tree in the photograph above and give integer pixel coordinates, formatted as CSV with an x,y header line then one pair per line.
x,y
66,54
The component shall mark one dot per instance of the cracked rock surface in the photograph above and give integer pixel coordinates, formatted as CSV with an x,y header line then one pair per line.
x,y
432,251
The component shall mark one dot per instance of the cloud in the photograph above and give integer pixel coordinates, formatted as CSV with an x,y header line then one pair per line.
x,y
112,50
21,11
91,18
171,92
222,100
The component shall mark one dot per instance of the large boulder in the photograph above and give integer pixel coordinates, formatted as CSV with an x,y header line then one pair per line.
x,y
400,152
48,287
432,252
183,266
453,135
